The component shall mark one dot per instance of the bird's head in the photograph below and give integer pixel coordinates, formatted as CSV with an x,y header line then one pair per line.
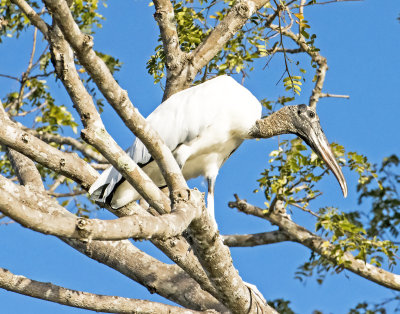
x,y
304,122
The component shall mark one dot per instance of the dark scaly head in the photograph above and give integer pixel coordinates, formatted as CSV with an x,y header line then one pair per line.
x,y
304,122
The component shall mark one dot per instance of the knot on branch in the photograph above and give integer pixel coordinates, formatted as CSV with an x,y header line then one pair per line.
x,y
243,10
87,43
84,227
239,204
181,195
158,15
24,138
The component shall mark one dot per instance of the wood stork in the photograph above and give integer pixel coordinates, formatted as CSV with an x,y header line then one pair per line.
x,y
203,126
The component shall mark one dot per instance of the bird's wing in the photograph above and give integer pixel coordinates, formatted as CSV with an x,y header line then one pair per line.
x,y
180,119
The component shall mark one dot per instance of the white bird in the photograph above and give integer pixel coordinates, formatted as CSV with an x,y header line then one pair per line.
x,y
203,126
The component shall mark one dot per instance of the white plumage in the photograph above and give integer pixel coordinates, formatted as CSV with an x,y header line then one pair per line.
x,y
201,125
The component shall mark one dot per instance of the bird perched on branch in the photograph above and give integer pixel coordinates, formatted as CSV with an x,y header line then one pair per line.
x,y
203,126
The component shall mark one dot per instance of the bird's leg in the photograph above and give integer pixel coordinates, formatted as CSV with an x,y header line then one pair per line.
x,y
210,198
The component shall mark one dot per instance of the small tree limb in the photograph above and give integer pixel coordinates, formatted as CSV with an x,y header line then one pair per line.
x,y
250,240
84,300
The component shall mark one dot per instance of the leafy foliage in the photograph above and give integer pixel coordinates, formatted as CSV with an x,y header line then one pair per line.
x,y
380,307
281,306
385,198
349,236
292,176
12,20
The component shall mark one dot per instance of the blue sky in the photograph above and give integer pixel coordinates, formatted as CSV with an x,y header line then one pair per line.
x,y
361,42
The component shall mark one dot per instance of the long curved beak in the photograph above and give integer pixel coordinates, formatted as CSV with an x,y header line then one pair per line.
x,y
318,142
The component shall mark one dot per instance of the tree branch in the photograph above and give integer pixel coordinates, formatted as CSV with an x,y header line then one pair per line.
x,y
94,131
67,164
26,170
169,281
333,95
315,56
95,302
216,260
66,140
115,95
30,210
225,30
175,58
246,240
317,244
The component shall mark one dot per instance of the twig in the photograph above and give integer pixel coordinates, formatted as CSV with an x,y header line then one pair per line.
x,y
10,77
23,114
332,1
322,95
305,209
59,195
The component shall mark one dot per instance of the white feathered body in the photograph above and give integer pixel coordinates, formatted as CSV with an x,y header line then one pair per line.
x,y
201,125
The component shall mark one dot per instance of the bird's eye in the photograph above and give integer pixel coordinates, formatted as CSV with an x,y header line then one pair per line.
x,y
311,114
298,112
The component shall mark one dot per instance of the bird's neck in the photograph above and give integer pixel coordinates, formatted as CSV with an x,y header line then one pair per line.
x,y
275,124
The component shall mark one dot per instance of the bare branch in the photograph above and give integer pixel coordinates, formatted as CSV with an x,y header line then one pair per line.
x,y
334,95
70,194
332,1
216,260
95,132
26,170
10,77
95,302
115,95
169,281
319,245
177,249
247,240
66,140
25,113
67,164
30,210
175,58
60,179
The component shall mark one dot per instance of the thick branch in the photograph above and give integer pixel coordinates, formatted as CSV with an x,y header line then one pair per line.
x,y
18,203
246,240
115,95
95,132
177,249
216,260
66,140
317,244
67,164
95,302
165,18
169,281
